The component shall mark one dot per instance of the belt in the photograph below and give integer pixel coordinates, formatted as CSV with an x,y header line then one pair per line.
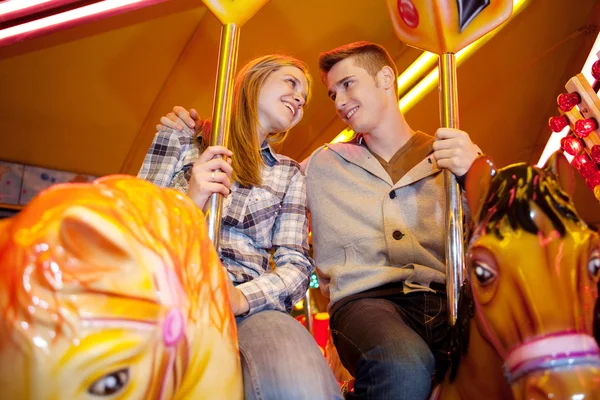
x,y
438,287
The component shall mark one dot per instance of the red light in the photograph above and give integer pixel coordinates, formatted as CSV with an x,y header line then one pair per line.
x,y
584,127
566,101
558,123
595,153
571,145
593,181
585,166
596,70
589,170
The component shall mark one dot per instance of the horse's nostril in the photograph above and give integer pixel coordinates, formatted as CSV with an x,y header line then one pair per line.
x,y
536,392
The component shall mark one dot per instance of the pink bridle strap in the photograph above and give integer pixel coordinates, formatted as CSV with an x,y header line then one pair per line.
x,y
549,352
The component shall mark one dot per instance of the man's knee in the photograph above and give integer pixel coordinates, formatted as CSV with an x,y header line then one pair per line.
x,y
397,368
405,357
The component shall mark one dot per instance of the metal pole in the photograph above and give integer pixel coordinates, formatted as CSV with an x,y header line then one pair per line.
x,y
308,312
454,212
223,102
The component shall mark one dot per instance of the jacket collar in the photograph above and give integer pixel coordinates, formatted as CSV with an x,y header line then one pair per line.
x,y
356,152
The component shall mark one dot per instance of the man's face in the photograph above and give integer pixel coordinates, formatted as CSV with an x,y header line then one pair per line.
x,y
359,100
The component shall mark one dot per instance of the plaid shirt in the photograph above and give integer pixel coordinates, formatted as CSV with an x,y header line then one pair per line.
x,y
254,221
166,156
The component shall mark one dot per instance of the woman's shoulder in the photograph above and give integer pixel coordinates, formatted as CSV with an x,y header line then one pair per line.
x,y
285,162
288,161
279,177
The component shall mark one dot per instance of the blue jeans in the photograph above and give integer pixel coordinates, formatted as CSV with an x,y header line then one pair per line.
x,y
390,345
281,360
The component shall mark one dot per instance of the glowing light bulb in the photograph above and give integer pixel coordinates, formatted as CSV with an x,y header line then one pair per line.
x,y
566,101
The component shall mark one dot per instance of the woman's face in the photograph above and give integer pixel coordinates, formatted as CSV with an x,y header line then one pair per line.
x,y
281,100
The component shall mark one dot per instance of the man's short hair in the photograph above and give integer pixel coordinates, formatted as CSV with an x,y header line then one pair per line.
x,y
369,56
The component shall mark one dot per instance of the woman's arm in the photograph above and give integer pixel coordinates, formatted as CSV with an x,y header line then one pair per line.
x,y
165,156
287,284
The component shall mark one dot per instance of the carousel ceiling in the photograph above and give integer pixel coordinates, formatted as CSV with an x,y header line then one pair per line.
x,y
86,99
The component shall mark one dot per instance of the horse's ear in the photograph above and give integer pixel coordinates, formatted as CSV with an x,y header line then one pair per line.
x,y
478,183
92,238
562,170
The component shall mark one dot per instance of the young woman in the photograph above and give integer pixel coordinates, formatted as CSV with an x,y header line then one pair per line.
x,y
264,212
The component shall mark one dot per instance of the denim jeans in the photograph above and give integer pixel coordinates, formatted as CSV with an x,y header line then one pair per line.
x,y
281,360
390,345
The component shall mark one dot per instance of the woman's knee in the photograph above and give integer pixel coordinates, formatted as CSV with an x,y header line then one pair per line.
x,y
282,360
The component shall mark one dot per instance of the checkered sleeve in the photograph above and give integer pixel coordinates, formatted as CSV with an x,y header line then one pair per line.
x,y
287,284
180,182
181,178
164,158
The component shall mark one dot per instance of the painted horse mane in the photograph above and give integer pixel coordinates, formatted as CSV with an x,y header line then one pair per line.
x,y
512,191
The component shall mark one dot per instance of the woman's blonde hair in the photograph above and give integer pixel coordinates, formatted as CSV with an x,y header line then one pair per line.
x,y
247,159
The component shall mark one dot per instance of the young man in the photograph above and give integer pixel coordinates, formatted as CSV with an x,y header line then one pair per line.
x,y
377,210
377,213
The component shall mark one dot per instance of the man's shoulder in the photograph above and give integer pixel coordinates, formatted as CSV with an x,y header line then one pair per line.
x,y
325,155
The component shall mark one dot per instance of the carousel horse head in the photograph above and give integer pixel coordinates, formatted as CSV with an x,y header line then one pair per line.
x,y
113,290
534,267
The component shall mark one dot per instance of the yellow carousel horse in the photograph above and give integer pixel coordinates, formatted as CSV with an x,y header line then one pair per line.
x,y
533,269
113,290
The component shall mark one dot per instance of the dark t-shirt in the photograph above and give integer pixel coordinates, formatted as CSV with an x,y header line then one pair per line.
x,y
419,146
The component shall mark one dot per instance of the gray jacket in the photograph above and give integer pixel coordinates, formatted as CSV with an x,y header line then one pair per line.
x,y
368,231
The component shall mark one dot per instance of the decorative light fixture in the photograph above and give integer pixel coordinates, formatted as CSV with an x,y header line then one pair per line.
x,y
584,127
595,153
571,145
566,101
591,72
61,20
558,123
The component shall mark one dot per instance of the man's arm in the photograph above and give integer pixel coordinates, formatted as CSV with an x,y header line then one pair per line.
x,y
179,119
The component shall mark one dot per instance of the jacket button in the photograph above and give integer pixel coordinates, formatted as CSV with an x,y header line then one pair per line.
x,y
397,235
393,194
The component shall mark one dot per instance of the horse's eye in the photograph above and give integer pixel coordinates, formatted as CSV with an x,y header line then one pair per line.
x,y
110,383
594,265
483,272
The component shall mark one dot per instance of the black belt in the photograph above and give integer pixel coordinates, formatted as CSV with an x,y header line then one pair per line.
x,y
438,287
